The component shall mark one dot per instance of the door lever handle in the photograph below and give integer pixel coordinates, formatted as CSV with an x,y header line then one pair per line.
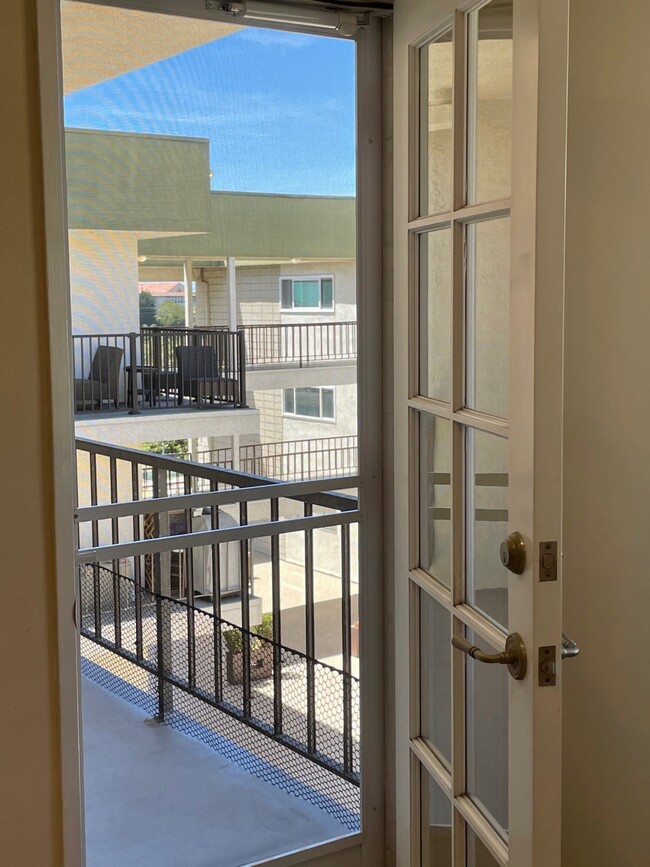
x,y
514,656
569,647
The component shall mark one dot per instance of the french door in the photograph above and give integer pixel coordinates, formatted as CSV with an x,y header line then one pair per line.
x,y
480,131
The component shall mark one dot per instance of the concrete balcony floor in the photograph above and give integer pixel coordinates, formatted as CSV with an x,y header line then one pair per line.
x,y
154,796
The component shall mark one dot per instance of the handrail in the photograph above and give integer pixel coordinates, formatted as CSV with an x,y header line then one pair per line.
x,y
202,538
218,475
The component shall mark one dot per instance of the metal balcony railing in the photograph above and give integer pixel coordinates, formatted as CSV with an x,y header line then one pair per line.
x,y
166,588
294,460
301,345
159,368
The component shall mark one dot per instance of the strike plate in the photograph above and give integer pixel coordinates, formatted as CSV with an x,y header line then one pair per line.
x,y
548,561
546,672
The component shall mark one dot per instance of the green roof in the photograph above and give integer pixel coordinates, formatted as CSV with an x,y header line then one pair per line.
x,y
138,183
132,182
250,226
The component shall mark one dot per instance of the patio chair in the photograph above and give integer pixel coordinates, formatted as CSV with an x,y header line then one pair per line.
x,y
199,376
103,380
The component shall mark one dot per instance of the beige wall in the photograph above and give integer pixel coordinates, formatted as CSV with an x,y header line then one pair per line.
x,y
104,282
30,802
607,444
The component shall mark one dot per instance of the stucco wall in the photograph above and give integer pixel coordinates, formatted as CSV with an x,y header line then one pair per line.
x,y
104,282
30,796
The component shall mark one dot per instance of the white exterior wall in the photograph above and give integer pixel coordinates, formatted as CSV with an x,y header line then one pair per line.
x,y
257,296
258,293
104,282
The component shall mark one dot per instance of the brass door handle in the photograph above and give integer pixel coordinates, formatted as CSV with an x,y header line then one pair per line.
x,y
514,656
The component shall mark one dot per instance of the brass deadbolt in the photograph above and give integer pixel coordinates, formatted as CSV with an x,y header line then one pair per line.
x,y
513,553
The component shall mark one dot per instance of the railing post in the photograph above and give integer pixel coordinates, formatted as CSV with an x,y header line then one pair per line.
x,y
133,376
242,367
162,587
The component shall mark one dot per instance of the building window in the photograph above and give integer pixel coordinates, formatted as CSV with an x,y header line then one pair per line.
x,y
307,293
310,402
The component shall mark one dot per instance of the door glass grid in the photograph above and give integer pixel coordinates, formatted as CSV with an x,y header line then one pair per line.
x,y
486,697
435,823
487,308
435,273
489,122
436,79
435,497
435,677
486,522
463,285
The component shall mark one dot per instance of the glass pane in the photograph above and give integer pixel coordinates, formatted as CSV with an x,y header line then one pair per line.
x,y
490,101
477,854
288,400
488,316
436,75
487,734
435,314
328,403
487,523
435,497
327,293
306,293
435,676
308,402
436,824
287,297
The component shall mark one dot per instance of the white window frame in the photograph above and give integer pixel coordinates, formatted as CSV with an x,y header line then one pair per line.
x,y
318,418
296,279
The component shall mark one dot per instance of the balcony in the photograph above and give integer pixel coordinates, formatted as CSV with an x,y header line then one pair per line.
x,y
159,369
162,369
226,613
155,796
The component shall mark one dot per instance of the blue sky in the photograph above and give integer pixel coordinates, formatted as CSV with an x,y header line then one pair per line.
x,y
277,107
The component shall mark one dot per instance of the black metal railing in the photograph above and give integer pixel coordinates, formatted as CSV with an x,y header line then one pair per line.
x,y
168,583
159,368
285,460
294,460
252,678
300,345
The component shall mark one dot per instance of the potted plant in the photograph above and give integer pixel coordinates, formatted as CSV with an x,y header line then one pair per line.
x,y
261,652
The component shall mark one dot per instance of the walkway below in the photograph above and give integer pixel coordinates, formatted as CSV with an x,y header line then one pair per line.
x,y
156,796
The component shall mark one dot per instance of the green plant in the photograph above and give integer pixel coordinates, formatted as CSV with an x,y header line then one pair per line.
x,y
265,628
170,315
234,637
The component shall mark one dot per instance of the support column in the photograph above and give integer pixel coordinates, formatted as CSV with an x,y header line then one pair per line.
x,y
231,275
187,282
235,451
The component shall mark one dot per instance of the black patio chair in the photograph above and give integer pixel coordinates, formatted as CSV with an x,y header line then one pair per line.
x,y
103,381
200,376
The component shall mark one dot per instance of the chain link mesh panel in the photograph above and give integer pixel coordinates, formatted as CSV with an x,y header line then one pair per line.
x,y
236,691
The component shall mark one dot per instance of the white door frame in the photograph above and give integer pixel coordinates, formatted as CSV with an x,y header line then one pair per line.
x,y
369,275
